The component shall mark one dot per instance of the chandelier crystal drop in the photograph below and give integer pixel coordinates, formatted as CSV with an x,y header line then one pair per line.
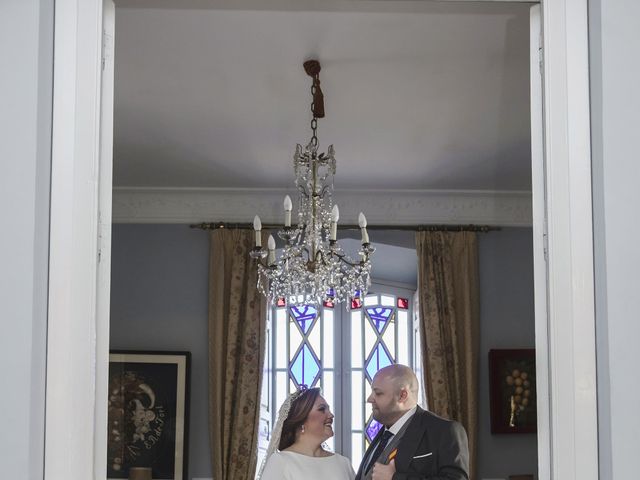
x,y
312,268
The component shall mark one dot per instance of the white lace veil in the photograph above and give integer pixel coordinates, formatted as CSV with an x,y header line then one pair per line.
x,y
283,413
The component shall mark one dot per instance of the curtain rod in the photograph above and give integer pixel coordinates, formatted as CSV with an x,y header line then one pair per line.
x,y
411,228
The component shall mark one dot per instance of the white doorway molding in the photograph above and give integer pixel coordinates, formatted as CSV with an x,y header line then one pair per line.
x,y
571,346
78,322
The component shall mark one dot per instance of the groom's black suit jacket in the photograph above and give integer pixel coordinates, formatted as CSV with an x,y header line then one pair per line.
x,y
431,448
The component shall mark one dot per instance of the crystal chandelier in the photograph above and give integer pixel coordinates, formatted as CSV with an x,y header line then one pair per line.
x,y
312,269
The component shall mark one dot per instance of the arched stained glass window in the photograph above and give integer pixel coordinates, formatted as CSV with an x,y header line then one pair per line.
x,y
340,351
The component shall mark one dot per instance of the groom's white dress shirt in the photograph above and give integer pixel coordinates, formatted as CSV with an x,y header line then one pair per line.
x,y
395,428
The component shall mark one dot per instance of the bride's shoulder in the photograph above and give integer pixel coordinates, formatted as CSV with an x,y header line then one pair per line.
x,y
275,460
274,467
347,462
343,459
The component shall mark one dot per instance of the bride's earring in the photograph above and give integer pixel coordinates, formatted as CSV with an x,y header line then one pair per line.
x,y
302,429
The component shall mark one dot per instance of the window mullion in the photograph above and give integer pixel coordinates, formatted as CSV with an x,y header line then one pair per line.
x,y
345,368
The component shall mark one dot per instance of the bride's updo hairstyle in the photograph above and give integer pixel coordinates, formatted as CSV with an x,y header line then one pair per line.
x,y
300,408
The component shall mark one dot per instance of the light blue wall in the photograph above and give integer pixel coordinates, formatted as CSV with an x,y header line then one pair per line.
x,y
26,52
159,298
615,76
507,321
159,301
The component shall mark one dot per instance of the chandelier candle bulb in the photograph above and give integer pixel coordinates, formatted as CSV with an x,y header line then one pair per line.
x,y
257,226
288,206
271,245
335,216
362,221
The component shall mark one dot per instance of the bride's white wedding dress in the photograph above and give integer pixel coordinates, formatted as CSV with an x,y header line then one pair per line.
x,y
296,466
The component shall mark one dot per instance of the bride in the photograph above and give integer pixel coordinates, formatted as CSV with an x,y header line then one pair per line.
x,y
304,423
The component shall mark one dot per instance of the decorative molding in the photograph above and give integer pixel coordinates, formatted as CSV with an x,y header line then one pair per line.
x,y
401,207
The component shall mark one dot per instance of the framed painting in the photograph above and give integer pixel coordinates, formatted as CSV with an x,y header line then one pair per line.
x,y
512,390
148,413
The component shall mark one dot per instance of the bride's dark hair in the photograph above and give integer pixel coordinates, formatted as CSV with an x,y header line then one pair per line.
x,y
298,414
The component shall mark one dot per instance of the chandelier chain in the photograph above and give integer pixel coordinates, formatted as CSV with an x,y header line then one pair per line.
x,y
314,119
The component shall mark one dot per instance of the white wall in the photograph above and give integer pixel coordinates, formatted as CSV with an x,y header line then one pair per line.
x,y
615,77
26,52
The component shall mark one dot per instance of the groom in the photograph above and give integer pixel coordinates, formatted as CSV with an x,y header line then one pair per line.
x,y
414,444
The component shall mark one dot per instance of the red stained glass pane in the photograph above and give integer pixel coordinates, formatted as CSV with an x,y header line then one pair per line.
x,y
281,302
403,303
356,303
328,303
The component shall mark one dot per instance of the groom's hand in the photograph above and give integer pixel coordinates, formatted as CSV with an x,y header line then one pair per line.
x,y
384,472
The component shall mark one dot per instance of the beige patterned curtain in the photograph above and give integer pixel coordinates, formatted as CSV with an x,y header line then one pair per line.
x,y
449,313
236,354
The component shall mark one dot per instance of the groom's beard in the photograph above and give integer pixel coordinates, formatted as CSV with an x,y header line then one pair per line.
x,y
387,418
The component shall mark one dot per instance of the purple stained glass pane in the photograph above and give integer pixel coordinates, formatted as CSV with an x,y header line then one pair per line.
x,y
304,316
380,316
379,359
305,367
372,429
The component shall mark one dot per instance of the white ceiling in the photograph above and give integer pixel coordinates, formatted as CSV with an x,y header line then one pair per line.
x,y
418,95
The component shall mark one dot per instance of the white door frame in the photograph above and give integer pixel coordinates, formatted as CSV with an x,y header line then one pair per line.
x,y
538,203
79,246
571,347
78,333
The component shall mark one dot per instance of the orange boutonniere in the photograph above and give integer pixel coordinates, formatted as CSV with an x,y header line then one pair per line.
x,y
392,455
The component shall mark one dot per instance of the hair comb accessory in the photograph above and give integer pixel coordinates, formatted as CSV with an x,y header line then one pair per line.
x,y
298,393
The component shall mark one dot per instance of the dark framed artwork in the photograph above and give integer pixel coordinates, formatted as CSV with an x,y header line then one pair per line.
x,y
512,390
148,414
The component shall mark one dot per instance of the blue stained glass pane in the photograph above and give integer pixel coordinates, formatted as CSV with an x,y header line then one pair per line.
x,y
379,359
380,316
372,429
304,316
305,368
